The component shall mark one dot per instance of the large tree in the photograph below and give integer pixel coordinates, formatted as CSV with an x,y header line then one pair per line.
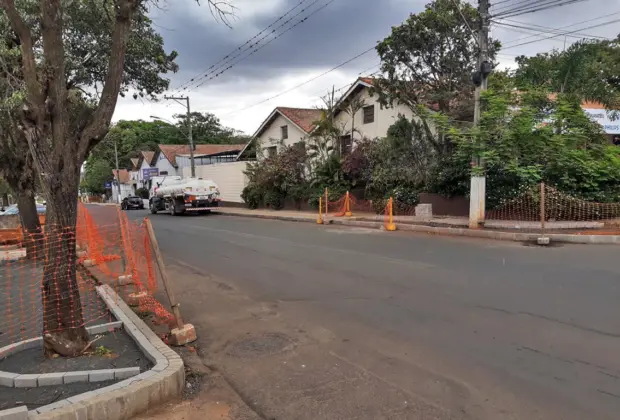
x,y
428,62
589,70
76,58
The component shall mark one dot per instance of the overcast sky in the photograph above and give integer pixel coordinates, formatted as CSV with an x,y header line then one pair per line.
x,y
338,31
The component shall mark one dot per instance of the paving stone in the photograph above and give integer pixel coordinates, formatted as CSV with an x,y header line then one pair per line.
x,y
126,372
48,379
83,396
78,376
104,328
26,381
7,379
101,375
17,413
54,406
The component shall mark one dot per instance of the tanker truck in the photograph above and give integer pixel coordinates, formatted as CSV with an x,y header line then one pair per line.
x,y
178,195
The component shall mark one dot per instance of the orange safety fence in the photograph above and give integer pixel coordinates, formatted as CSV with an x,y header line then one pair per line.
x,y
346,206
39,292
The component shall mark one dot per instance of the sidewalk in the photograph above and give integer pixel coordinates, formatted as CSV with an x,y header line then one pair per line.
x,y
520,231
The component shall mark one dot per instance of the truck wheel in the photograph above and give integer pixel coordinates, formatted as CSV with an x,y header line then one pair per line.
x,y
153,209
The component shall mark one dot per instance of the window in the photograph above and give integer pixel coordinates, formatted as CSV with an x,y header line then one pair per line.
x,y
272,151
284,132
345,145
369,114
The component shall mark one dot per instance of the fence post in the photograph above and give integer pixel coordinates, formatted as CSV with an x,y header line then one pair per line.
x,y
543,240
347,205
390,226
164,275
326,202
319,220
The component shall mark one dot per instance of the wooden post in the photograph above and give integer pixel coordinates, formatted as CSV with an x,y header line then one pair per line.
x,y
326,202
542,208
319,220
164,275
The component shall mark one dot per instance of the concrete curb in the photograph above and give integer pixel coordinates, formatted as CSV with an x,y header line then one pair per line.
x,y
471,233
15,380
125,399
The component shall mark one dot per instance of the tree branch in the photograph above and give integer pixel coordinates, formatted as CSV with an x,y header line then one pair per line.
x,y
29,66
96,129
54,56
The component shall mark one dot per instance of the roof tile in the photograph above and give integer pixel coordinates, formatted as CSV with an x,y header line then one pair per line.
x,y
172,150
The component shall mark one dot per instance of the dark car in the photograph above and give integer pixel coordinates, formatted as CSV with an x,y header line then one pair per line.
x,y
132,203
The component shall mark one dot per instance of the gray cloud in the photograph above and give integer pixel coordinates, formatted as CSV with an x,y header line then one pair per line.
x,y
341,30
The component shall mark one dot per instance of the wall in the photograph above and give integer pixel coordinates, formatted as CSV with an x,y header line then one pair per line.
x,y
141,181
272,134
126,191
454,206
164,165
384,118
229,177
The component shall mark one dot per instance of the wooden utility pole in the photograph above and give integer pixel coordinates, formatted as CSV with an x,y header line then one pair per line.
x,y
480,78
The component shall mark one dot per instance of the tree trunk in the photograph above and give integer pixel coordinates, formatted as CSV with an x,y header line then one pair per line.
x,y
64,329
5,201
30,223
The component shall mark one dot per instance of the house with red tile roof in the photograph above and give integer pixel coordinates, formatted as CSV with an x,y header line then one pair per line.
x,y
285,126
372,120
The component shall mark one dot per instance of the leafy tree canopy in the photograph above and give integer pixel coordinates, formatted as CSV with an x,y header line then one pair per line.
x,y
97,173
587,70
429,59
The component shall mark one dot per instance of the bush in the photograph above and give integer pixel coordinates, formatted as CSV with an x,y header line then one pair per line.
x,y
252,196
274,199
142,193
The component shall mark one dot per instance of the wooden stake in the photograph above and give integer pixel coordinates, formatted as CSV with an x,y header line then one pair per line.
x,y
164,275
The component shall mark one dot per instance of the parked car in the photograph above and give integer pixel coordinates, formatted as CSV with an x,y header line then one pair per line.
x,y
13,209
132,203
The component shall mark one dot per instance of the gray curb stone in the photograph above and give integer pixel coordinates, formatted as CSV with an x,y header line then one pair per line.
x,y
17,413
471,233
48,379
129,397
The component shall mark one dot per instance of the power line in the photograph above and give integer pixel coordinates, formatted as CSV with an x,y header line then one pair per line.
x,y
510,27
249,41
565,33
560,32
465,20
214,75
302,84
546,29
536,6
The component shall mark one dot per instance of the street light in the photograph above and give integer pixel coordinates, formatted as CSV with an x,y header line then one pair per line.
x,y
189,138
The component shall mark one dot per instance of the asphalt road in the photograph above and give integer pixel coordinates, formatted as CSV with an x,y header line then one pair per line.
x,y
487,329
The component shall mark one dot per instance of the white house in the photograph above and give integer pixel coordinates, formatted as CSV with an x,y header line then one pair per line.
x,y
284,126
289,126
372,121
172,158
127,188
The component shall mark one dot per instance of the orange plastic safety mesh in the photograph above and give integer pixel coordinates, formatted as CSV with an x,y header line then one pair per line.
x,y
117,251
556,207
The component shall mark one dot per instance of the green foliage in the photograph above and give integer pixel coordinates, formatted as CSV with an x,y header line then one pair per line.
x,y
429,59
274,199
525,139
142,193
97,173
252,196
587,70
271,179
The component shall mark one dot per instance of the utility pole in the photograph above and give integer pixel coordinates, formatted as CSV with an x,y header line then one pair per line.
x,y
118,173
189,130
477,193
